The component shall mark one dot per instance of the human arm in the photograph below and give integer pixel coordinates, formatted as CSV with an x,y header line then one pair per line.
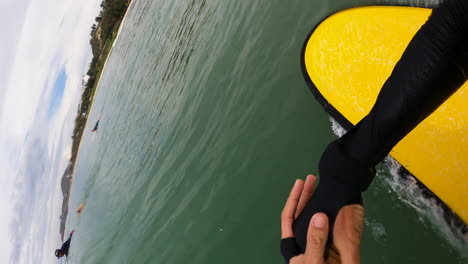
x,y
433,67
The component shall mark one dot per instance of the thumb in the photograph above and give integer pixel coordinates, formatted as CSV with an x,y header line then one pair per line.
x,y
316,239
348,232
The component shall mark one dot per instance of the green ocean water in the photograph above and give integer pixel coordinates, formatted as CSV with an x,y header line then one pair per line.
x,y
206,123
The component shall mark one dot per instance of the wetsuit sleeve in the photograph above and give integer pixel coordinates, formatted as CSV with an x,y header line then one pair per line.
x,y
432,68
289,249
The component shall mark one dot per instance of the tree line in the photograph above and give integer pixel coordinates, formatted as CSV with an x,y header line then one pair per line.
x,y
103,34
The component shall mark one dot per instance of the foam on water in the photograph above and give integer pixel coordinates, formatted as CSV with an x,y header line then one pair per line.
x,y
411,194
419,3
378,231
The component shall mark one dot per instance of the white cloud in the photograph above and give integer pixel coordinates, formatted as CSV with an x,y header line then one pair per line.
x,y
11,23
45,36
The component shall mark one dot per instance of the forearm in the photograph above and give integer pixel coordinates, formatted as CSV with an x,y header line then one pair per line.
x,y
433,67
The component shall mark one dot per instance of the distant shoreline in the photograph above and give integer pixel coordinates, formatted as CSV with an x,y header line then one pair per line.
x,y
89,95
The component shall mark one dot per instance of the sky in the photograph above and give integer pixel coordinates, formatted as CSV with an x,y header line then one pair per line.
x,y
44,53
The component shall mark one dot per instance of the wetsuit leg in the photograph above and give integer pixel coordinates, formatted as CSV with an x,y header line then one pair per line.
x,y
433,67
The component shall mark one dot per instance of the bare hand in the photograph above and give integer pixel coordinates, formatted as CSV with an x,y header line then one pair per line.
x,y
346,235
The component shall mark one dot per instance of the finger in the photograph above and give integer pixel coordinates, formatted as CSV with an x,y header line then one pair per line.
x,y
334,256
306,194
299,259
348,232
287,216
349,222
357,219
316,239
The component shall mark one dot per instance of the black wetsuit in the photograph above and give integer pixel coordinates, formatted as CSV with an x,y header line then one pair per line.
x,y
66,246
433,67
96,126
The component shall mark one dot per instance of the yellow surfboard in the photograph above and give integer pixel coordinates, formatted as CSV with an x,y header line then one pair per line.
x,y
347,59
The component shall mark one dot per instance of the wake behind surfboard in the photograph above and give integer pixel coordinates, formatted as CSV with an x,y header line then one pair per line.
x,y
345,61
